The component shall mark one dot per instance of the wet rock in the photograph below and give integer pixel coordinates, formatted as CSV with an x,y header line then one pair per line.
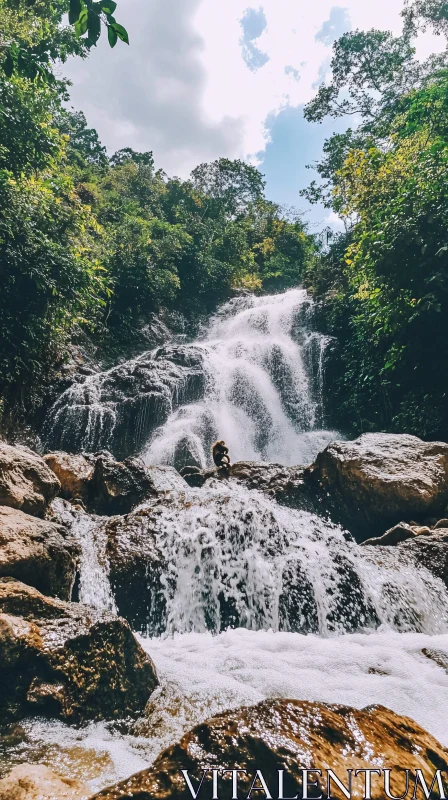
x,y
26,482
75,473
67,660
381,478
165,479
438,656
135,565
117,486
285,484
289,735
429,551
37,552
399,533
36,782
107,486
442,523
119,408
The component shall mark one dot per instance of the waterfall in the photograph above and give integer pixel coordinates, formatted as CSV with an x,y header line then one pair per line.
x,y
94,586
263,367
232,557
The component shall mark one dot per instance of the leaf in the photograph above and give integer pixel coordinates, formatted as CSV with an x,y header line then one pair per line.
x,y
108,6
75,11
82,23
112,36
94,27
121,32
8,65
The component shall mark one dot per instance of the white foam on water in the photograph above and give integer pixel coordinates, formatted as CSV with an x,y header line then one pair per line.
x,y
201,675
264,386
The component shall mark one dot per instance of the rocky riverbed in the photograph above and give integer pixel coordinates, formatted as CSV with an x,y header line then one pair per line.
x,y
157,613
64,659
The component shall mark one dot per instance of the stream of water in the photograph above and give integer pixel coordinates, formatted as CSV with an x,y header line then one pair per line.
x,y
263,367
259,601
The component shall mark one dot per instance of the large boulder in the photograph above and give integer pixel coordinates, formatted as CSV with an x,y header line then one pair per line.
x,y
284,484
67,660
37,552
107,486
75,473
379,479
26,482
134,566
119,409
117,486
37,782
289,735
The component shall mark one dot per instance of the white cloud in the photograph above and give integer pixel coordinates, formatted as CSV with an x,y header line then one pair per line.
x,y
183,89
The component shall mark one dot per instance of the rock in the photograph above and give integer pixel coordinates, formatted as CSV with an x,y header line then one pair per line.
x,y
399,533
36,782
107,486
165,479
37,552
381,478
119,408
67,660
75,473
117,486
26,482
289,735
442,523
421,530
430,551
135,565
285,484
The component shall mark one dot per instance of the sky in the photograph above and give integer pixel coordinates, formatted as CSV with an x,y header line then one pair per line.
x,y
204,79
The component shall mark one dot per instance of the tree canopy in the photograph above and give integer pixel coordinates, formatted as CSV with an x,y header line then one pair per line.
x,y
386,279
97,242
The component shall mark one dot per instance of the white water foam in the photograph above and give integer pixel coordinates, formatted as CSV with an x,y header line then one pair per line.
x,y
264,379
94,585
202,675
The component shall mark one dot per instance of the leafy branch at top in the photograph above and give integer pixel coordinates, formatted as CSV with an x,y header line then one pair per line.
x,y
32,57
88,17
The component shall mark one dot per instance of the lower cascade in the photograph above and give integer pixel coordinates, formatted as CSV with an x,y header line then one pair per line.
x,y
236,597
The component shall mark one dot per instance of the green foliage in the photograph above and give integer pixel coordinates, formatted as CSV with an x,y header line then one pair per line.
x,y
33,37
386,280
96,242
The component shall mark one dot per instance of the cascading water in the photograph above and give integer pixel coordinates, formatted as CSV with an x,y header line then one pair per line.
x,y
233,557
263,387
257,600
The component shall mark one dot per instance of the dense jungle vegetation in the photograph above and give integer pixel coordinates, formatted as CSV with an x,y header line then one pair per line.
x,y
99,242
384,282
96,242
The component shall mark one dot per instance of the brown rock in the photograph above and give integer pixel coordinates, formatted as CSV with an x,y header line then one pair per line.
x,y
285,484
67,660
26,482
381,478
430,551
289,735
37,552
74,473
421,530
134,560
118,486
442,523
399,533
36,782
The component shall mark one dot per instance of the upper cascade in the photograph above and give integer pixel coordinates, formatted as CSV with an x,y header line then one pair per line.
x,y
263,367
254,377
